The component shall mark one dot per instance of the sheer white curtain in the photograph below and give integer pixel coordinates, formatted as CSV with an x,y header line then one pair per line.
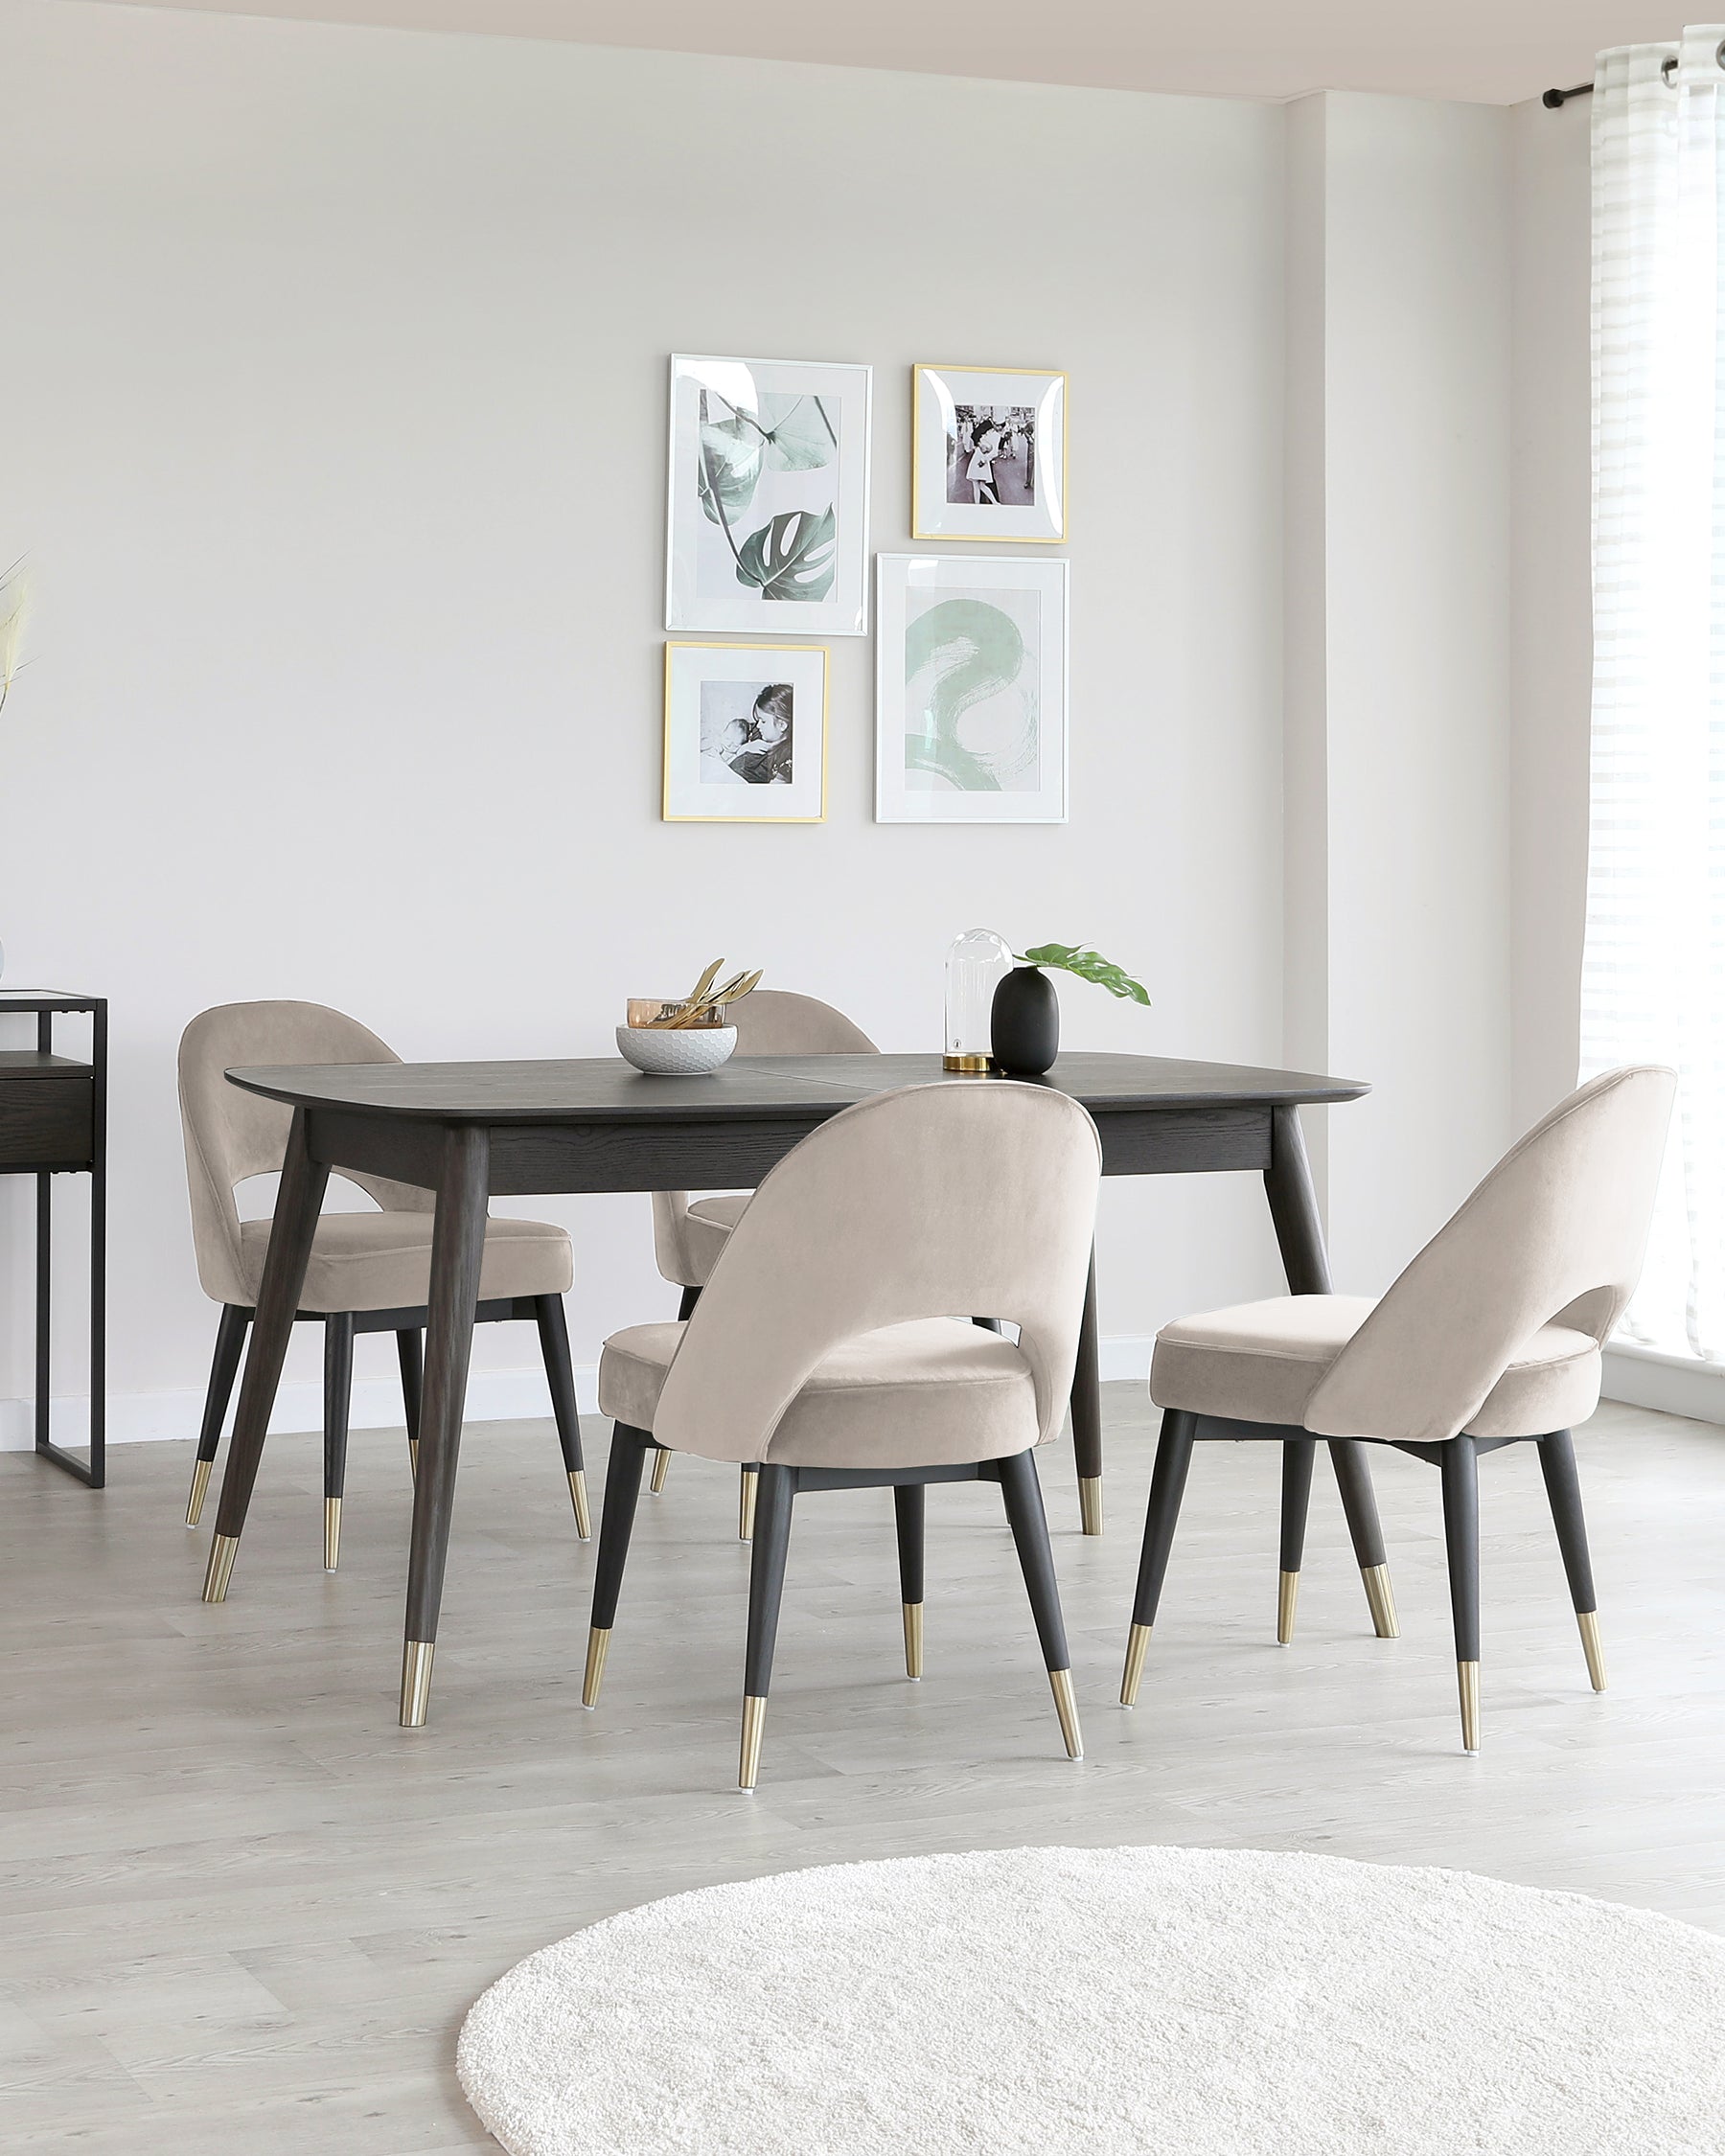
x,y
1653,982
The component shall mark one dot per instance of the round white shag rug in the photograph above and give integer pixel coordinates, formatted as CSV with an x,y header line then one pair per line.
x,y
1161,2002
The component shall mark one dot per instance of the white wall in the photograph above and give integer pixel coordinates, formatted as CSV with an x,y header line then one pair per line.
x,y
335,374
1398,707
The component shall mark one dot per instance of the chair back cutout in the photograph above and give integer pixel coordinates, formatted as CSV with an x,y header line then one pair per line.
x,y
231,1135
931,1201
1556,1231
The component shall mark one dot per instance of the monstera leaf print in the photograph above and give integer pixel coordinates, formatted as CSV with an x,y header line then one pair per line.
x,y
796,433
794,556
730,465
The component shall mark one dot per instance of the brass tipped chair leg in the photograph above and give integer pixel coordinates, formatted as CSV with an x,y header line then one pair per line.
x,y
1467,1683
413,1457
1589,1621
220,1568
584,1525
746,1505
1380,1598
661,1464
201,1482
1060,1682
1137,1643
332,1532
1090,1504
749,1764
416,1682
913,1616
598,1647
1287,1599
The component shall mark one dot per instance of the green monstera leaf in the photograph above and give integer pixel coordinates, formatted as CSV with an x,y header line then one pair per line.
x,y
730,466
1087,965
796,433
794,556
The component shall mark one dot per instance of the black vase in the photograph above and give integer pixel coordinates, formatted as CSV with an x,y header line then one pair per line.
x,y
1024,1023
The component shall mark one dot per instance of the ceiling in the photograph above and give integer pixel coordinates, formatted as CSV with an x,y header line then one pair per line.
x,y
1497,52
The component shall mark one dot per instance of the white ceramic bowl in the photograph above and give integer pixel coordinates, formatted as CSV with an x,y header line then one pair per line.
x,y
688,1051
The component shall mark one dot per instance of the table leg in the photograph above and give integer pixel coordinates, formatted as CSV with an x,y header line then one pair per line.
x,y
1087,1410
457,1251
1300,1234
99,1254
298,1202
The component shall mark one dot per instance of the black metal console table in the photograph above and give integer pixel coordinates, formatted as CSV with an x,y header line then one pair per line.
x,y
54,1122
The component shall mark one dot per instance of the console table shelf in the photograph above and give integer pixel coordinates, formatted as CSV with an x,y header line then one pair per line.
x,y
53,1121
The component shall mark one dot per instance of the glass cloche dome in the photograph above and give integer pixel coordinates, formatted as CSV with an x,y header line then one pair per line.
x,y
975,964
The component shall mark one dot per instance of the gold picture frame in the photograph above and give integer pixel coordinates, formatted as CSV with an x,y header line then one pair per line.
x,y
699,779
940,398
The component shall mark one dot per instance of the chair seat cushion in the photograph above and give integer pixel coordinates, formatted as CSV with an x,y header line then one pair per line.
x,y
382,1261
1262,1361
708,1229
935,1393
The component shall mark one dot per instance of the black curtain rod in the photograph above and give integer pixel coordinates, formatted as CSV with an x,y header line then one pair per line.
x,y
1554,100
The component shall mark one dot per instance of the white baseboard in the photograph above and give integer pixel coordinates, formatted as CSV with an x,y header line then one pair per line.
x,y
138,1418
1674,1384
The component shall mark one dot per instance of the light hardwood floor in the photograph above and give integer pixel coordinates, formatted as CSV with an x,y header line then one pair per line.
x,y
240,1909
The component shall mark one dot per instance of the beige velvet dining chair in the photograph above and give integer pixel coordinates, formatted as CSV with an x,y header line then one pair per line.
x,y
821,1355
369,1272
1491,1336
688,1235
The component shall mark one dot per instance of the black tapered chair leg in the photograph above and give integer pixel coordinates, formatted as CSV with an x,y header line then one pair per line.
x,y
1563,1487
1461,1465
338,1395
1029,1524
1168,1486
910,1504
224,1368
1298,1455
661,1461
685,1308
1359,1501
560,1376
765,1592
629,1450
410,1355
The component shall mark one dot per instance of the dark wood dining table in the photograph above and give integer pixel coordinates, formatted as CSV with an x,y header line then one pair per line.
x,y
474,1131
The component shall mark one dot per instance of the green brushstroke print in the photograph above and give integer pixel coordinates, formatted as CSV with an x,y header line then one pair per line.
x,y
976,652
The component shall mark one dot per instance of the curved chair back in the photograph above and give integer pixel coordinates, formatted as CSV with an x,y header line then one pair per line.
x,y
770,1021
1557,1230
916,1203
231,1135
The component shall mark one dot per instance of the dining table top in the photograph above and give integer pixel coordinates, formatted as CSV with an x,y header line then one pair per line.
x,y
605,1089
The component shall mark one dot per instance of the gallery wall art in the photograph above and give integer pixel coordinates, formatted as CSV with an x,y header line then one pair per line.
x,y
767,514
988,455
970,690
746,727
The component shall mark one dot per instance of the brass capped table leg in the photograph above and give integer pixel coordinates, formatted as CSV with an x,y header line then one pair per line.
x,y
598,1647
1090,1504
416,1682
1380,1600
201,1482
220,1568
1467,1683
755,1715
1060,1682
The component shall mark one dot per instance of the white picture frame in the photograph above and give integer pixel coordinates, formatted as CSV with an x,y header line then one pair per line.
x,y
767,509
988,455
746,733
951,746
